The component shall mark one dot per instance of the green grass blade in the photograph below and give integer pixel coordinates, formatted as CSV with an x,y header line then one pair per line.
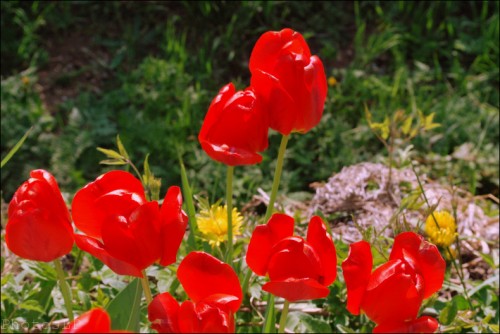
x,y
188,197
15,148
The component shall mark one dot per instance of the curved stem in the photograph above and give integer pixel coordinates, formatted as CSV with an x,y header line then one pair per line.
x,y
229,203
64,289
284,315
277,176
145,287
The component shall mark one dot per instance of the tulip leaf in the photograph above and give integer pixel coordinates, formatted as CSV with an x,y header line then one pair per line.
x,y
124,309
302,322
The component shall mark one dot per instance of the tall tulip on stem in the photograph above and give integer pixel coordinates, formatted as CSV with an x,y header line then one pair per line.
x,y
233,132
39,226
292,86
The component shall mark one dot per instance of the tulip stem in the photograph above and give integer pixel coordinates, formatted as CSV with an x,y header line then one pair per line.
x,y
268,326
64,289
229,203
145,287
277,176
284,315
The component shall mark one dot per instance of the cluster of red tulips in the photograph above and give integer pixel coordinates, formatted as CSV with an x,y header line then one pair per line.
x,y
118,225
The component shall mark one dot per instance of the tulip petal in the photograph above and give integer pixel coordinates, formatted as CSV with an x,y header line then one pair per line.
x,y
136,241
163,313
57,200
33,233
357,270
423,324
322,243
214,320
264,238
392,294
173,225
96,248
88,216
424,257
292,258
189,320
272,44
203,275
94,321
297,289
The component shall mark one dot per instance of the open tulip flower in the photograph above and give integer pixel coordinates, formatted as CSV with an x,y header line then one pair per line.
x,y
392,294
291,83
215,295
235,128
298,269
123,229
39,226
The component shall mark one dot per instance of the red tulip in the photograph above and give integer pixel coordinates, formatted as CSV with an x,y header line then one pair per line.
x,y
291,83
392,294
96,320
298,269
423,324
122,228
235,128
215,293
39,226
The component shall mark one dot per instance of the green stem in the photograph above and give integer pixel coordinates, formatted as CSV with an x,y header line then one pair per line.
x,y
145,287
188,197
268,326
229,203
459,272
78,261
64,289
246,282
283,317
277,176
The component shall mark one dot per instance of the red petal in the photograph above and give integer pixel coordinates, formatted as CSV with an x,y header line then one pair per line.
x,y
36,233
263,240
173,225
292,258
297,289
57,199
136,241
423,324
357,270
163,313
189,320
214,320
94,321
203,275
321,242
96,248
424,257
273,44
391,294
89,216
235,128
280,105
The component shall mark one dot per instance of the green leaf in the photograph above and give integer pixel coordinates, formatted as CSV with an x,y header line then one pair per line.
x,y
314,325
121,148
188,197
110,153
31,305
406,127
15,148
124,309
112,162
449,313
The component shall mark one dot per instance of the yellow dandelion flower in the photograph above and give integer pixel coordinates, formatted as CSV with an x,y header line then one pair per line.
x,y
213,223
25,80
447,231
332,81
